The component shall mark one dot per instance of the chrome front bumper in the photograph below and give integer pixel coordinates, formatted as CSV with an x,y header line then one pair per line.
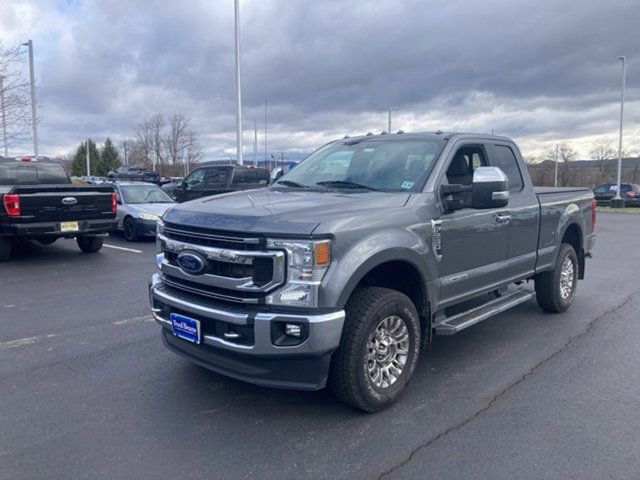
x,y
324,330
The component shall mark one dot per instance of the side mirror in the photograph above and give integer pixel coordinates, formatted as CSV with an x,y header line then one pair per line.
x,y
490,188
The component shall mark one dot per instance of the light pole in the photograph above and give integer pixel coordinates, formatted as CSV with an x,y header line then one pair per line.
x,y
29,44
265,134
88,162
618,201
390,108
238,86
555,181
4,118
255,143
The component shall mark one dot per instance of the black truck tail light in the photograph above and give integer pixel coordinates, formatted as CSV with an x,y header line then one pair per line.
x,y
114,203
11,203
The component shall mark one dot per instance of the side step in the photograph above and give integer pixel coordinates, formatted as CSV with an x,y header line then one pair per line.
x,y
455,323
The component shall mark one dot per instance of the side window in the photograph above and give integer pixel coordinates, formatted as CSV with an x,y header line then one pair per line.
x,y
600,189
463,163
239,176
194,178
504,159
216,175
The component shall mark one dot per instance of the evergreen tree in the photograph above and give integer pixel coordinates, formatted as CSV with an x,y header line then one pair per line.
x,y
109,158
79,161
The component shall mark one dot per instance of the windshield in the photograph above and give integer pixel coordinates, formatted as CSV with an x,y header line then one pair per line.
x,y
389,165
144,194
31,173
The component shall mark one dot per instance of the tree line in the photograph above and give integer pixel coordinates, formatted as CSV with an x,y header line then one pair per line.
x,y
601,169
167,146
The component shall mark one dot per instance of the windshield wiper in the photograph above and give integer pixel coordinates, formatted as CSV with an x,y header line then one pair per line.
x,y
346,184
289,183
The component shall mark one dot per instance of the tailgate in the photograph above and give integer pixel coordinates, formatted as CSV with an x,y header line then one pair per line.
x,y
44,203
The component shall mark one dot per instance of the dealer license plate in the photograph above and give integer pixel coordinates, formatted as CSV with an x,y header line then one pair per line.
x,y
185,327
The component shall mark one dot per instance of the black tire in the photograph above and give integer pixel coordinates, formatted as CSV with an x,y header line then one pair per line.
x,y
349,378
89,244
549,285
129,230
5,249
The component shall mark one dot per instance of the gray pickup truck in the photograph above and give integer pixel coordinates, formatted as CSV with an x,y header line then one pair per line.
x,y
344,270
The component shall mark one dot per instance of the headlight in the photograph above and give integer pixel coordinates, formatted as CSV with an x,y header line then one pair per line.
x,y
307,262
149,216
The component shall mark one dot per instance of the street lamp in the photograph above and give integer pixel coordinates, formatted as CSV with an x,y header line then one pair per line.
x,y
555,180
29,44
391,108
4,118
618,201
238,86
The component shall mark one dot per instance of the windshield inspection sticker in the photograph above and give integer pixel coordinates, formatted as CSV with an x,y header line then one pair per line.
x,y
406,185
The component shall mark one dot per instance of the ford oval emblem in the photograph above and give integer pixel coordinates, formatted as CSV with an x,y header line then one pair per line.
x,y
191,262
69,200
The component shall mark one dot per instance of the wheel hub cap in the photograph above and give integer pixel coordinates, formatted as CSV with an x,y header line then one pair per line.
x,y
567,274
387,351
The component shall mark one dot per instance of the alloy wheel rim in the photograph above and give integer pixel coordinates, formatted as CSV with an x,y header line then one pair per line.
x,y
567,278
387,351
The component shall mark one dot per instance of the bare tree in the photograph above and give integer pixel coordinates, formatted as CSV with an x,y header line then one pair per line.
x,y
601,152
17,100
176,139
143,144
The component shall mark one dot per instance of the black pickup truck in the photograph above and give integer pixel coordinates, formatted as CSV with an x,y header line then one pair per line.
x,y
345,269
39,202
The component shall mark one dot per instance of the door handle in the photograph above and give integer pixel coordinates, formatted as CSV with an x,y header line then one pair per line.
x,y
503,218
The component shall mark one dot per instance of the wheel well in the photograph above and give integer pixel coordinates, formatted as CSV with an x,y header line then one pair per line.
x,y
403,277
572,236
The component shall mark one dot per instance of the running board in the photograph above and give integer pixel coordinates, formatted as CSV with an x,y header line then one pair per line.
x,y
456,323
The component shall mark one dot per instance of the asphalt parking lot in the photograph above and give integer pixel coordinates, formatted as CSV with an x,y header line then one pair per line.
x,y
88,390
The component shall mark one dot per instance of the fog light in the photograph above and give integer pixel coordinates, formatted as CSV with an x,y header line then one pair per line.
x,y
293,330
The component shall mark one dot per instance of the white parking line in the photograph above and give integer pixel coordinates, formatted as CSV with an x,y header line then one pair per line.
x,y
121,248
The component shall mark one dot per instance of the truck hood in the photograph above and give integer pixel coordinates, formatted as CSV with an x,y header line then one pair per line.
x,y
279,211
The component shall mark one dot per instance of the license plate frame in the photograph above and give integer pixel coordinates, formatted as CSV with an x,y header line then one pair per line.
x,y
186,328
71,226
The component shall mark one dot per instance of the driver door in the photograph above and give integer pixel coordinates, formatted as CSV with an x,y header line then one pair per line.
x,y
474,242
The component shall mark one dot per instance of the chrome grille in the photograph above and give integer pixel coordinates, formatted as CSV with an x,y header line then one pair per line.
x,y
238,275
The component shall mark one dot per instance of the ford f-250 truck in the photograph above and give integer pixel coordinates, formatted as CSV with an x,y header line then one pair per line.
x,y
39,202
344,270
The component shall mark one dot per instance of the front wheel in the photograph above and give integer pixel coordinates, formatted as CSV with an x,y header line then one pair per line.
x,y
556,288
89,244
129,229
378,351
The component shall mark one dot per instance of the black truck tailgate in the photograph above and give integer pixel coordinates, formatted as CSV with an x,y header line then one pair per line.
x,y
45,203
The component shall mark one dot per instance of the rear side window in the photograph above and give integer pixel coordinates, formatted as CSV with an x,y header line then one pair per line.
x,y
31,173
504,159
217,175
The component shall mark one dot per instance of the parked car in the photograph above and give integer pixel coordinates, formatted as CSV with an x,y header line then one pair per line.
x,y
39,202
170,186
134,173
629,191
341,274
140,206
214,180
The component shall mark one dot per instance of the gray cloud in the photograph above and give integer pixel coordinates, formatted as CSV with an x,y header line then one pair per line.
x,y
541,71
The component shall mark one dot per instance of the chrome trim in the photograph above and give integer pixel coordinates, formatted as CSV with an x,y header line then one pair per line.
x,y
206,293
207,236
244,284
215,313
243,257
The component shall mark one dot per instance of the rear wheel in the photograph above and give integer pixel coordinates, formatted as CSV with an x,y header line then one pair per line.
x,y
378,351
555,289
89,244
5,249
129,229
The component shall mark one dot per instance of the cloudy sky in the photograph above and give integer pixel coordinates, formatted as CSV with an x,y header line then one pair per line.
x,y
541,72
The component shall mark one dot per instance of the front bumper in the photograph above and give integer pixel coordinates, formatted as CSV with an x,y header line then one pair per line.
x,y
38,229
145,228
257,360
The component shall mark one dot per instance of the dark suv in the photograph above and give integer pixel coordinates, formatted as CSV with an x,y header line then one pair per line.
x,y
629,191
135,173
206,181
